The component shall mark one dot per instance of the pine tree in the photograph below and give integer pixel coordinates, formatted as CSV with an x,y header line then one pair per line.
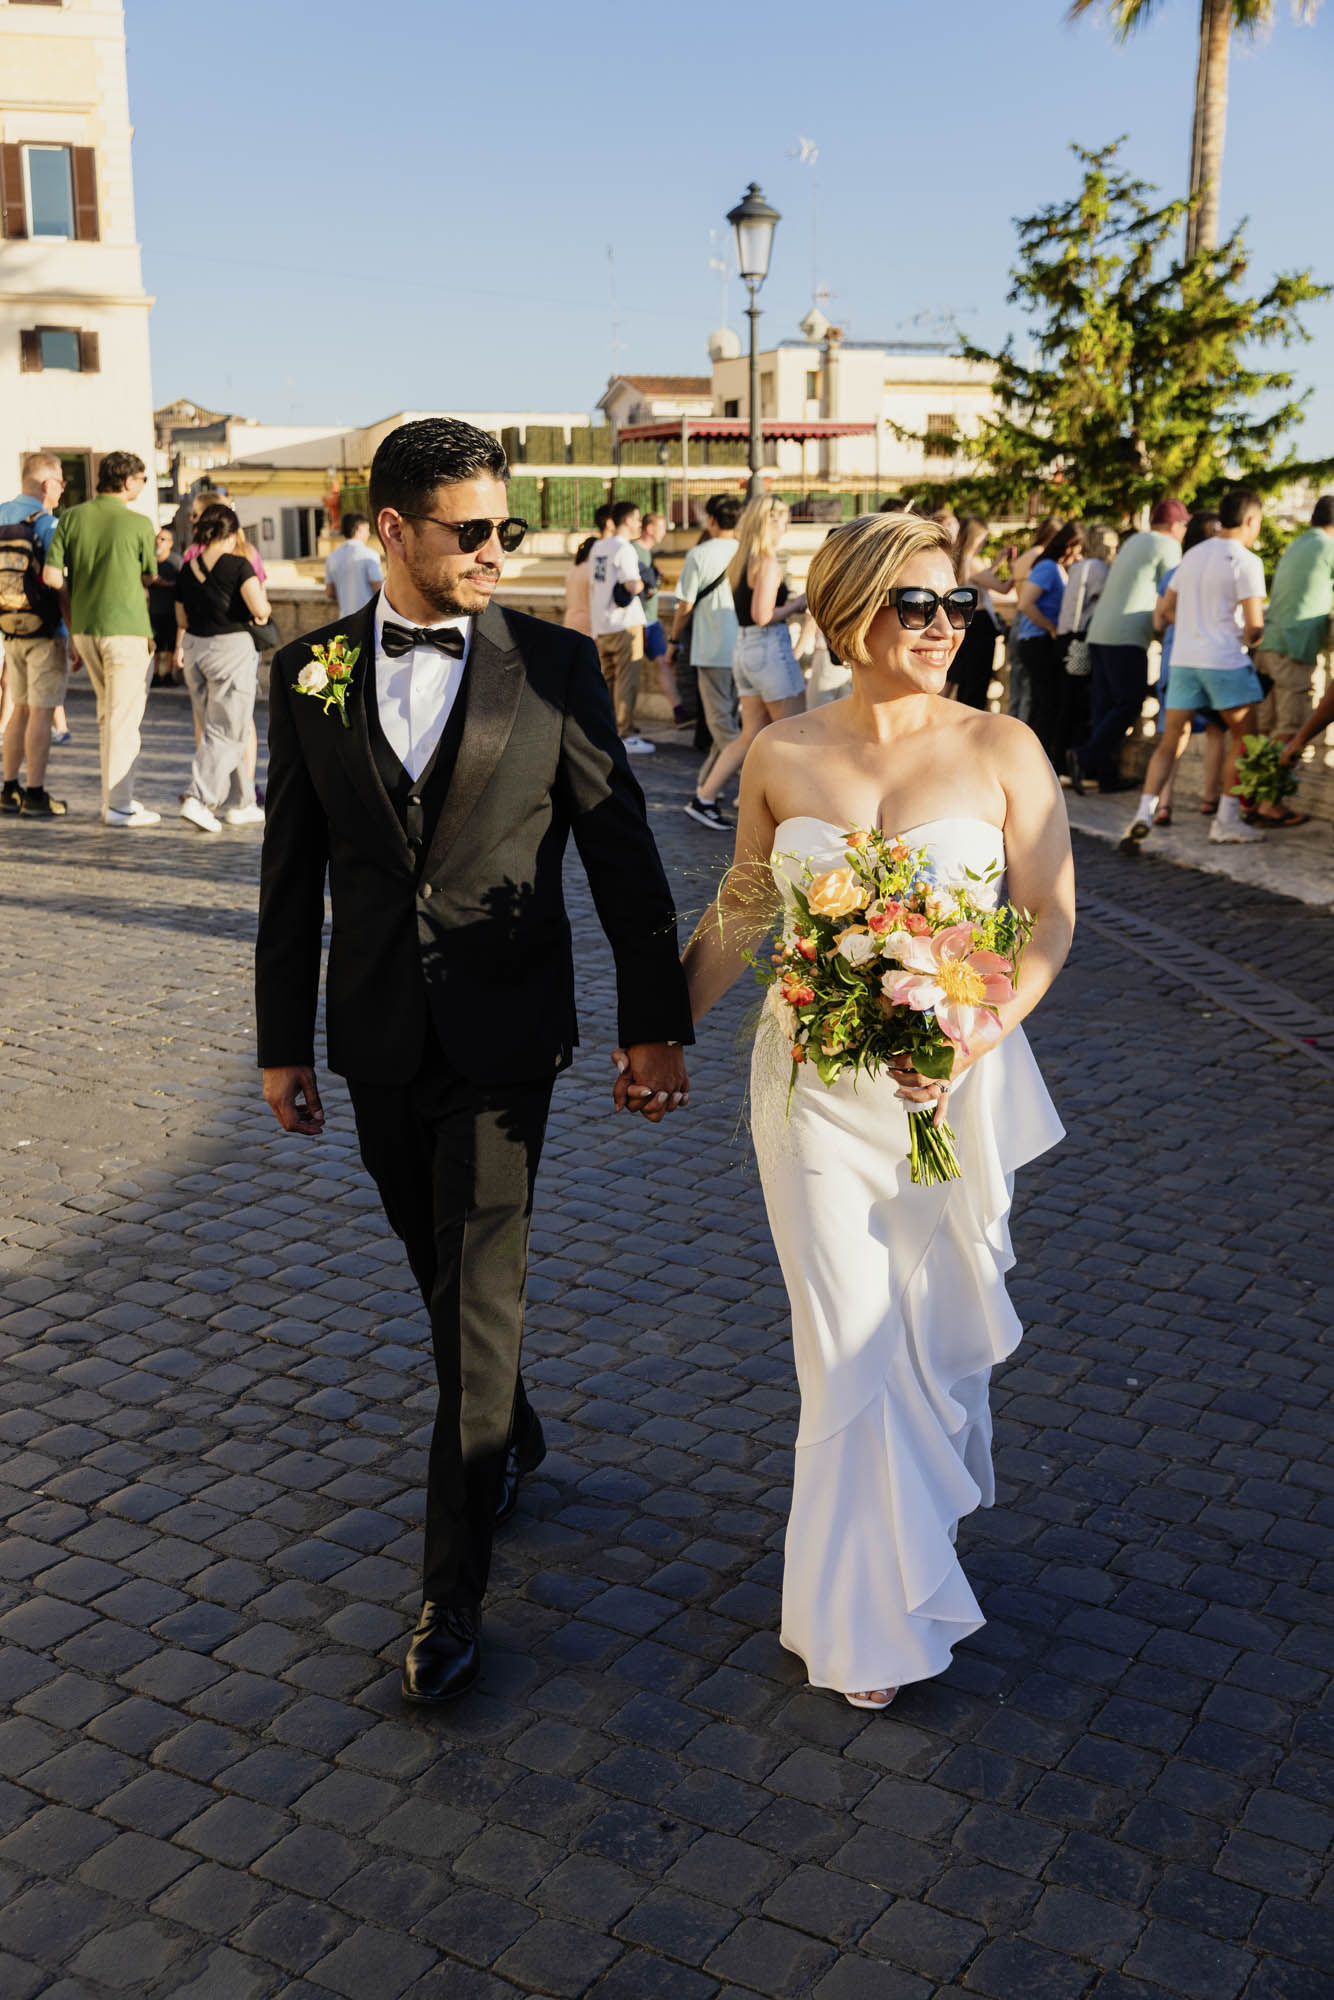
x,y
1146,375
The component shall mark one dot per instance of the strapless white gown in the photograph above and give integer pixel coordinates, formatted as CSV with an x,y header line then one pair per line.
x,y
899,1312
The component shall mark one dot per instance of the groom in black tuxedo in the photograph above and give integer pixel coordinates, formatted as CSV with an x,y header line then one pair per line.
x,y
477,742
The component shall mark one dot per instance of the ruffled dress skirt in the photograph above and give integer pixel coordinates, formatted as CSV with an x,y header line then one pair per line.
x,y
899,1314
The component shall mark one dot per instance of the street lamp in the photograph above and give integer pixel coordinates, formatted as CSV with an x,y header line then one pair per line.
x,y
754,222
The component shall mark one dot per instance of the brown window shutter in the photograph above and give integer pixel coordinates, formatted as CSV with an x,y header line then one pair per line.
x,y
90,353
11,191
84,162
30,351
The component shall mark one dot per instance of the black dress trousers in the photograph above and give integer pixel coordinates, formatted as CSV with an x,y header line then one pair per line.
x,y
455,1162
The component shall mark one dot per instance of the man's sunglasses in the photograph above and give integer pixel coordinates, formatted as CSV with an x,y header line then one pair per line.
x,y
473,535
917,608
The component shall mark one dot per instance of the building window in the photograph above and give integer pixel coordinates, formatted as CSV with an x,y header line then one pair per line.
x,y
939,436
49,191
767,394
812,385
77,469
732,407
42,347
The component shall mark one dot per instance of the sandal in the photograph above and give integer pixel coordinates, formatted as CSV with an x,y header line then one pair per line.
x,y
1283,819
864,1700
1163,816
1208,807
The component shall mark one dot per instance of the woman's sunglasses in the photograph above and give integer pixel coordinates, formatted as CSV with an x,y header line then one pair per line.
x,y
917,608
473,535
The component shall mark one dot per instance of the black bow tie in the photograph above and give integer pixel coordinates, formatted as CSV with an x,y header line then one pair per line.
x,y
396,640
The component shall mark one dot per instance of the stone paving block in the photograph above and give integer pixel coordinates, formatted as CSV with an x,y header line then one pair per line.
x,y
770,1958
214,1434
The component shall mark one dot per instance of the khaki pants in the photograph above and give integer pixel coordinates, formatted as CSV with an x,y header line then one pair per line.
x,y
1288,704
119,669
620,654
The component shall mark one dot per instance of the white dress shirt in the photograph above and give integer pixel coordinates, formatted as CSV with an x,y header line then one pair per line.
x,y
415,693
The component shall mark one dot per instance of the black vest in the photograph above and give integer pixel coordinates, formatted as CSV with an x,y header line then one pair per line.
x,y
417,802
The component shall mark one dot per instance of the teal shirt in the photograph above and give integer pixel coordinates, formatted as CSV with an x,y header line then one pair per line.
x,y
1301,598
1124,614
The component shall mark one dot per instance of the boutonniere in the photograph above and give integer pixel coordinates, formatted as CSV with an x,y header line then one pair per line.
x,y
328,677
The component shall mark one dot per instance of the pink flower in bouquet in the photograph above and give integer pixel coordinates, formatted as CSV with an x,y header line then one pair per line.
x,y
943,975
917,924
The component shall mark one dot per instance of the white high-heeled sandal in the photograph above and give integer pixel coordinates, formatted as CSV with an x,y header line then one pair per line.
x,y
860,1701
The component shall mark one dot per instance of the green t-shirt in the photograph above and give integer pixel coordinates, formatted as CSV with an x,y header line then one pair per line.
x,y
644,557
1124,613
1301,597
106,550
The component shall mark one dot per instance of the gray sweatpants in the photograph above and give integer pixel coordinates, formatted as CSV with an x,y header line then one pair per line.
x,y
717,697
221,675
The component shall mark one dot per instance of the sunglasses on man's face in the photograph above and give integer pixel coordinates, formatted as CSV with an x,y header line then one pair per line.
x,y
917,608
473,535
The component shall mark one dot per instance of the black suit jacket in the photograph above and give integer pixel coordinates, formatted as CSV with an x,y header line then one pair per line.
x,y
467,931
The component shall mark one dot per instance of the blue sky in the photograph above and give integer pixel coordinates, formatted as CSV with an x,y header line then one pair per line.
x,y
413,209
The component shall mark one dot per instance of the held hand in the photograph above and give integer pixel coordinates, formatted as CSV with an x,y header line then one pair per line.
x,y
291,1093
651,1079
923,1091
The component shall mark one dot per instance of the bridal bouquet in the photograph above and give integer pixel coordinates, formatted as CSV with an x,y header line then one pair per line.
x,y
875,963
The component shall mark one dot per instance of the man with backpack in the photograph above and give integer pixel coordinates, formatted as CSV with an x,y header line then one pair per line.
x,y
704,605
34,639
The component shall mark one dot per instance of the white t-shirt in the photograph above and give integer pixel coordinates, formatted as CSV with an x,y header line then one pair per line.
x,y
609,563
354,571
1210,584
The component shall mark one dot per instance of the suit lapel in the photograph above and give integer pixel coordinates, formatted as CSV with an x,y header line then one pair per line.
x,y
354,743
493,687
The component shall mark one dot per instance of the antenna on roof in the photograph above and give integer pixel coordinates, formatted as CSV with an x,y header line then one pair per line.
x,y
617,344
807,154
718,262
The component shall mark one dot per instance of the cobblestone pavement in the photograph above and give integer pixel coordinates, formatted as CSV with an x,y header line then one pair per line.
x,y
214,1394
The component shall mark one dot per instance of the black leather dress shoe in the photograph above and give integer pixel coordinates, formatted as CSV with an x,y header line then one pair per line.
x,y
445,1656
520,1460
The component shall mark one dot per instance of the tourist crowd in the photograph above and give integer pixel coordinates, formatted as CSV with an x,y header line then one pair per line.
x,y
1063,632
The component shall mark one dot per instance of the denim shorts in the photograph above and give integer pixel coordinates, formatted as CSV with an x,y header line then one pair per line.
x,y
655,641
764,663
1212,687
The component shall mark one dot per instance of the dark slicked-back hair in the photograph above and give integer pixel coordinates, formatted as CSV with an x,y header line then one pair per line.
x,y
351,522
435,451
1323,515
1236,504
725,509
622,511
601,516
116,469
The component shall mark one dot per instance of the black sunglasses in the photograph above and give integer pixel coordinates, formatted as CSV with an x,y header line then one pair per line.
x,y
473,535
917,608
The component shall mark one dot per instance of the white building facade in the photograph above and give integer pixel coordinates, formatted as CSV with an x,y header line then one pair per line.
x,y
74,362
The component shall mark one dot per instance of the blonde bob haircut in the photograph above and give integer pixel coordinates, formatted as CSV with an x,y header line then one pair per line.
x,y
855,568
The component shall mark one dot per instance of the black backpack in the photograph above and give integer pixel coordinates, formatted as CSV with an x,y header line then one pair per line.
x,y
28,610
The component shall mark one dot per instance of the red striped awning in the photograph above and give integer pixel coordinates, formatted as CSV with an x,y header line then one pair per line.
x,y
737,427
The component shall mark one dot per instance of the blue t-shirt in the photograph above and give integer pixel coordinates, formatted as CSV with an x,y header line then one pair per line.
x,y
26,508
1050,579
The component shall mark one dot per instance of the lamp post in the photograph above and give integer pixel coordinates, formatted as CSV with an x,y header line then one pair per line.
x,y
754,222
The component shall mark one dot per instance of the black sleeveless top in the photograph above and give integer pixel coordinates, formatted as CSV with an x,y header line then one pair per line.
x,y
741,599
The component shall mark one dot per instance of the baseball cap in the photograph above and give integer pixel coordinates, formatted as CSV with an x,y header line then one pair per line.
x,y
1168,512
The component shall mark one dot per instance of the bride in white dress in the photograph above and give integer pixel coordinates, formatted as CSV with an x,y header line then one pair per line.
x,y
899,1308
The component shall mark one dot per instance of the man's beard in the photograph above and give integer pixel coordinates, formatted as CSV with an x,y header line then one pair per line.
x,y
444,594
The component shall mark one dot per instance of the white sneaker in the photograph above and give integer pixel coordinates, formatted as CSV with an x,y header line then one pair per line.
x,y
131,815
244,815
199,815
1234,829
638,746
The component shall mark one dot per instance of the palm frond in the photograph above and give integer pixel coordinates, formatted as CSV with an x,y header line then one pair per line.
x,y
1124,15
